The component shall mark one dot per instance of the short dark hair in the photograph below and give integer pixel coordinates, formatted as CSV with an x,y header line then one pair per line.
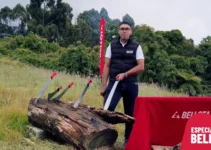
x,y
124,22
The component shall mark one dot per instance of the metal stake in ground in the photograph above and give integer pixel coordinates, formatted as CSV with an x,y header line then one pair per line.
x,y
82,95
65,90
45,86
108,101
50,95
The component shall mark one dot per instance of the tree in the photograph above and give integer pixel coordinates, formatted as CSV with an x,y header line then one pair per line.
x,y
85,32
20,14
48,14
79,60
129,19
111,32
104,14
5,15
116,21
144,34
91,17
205,52
206,40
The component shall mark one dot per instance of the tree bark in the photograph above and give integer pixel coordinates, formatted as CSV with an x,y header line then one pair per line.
x,y
84,127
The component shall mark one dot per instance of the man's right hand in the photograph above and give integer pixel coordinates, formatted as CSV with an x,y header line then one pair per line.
x,y
103,90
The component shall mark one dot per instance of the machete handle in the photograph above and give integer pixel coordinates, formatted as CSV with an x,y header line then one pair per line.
x,y
60,87
70,84
53,75
89,81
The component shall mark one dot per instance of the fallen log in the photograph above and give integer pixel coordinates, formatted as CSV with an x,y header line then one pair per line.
x,y
84,127
108,116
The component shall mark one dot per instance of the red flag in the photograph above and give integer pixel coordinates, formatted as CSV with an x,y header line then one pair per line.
x,y
102,38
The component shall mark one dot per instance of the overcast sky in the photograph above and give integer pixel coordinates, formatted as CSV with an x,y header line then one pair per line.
x,y
191,17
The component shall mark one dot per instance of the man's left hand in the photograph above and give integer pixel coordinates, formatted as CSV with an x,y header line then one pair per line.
x,y
120,76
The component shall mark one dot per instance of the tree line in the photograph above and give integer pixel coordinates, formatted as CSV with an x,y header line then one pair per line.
x,y
45,26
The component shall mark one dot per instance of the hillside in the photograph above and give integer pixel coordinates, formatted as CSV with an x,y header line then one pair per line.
x,y
21,82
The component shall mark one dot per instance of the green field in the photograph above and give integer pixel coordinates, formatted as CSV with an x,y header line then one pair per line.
x,y
19,83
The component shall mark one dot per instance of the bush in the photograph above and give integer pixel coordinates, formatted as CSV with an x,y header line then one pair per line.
x,y
14,42
3,50
38,44
79,59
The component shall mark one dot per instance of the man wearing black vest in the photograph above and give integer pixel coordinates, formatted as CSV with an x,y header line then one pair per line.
x,y
124,60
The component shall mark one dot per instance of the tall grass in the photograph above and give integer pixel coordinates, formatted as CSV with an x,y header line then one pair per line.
x,y
19,83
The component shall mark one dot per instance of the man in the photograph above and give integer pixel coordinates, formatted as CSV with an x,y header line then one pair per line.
x,y
124,60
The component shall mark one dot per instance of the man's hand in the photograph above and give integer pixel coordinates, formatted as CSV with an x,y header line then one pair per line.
x,y
120,76
103,90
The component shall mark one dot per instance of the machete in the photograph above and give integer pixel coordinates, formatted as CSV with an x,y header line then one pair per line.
x,y
108,101
45,86
82,95
56,99
50,95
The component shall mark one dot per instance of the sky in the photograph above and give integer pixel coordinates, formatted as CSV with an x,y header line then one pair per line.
x,y
191,17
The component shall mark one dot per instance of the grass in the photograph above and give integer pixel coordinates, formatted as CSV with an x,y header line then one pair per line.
x,y
20,83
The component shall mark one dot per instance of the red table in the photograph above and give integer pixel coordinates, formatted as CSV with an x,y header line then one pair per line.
x,y
162,120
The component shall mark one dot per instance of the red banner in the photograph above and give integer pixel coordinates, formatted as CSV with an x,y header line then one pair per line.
x,y
102,38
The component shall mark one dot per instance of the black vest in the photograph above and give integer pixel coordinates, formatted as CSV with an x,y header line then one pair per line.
x,y
123,59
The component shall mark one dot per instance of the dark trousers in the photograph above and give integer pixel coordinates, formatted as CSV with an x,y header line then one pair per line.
x,y
129,92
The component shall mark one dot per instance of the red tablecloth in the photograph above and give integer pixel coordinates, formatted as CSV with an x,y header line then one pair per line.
x,y
162,120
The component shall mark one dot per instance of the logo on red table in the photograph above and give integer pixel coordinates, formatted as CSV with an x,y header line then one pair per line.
x,y
176,115
187,114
